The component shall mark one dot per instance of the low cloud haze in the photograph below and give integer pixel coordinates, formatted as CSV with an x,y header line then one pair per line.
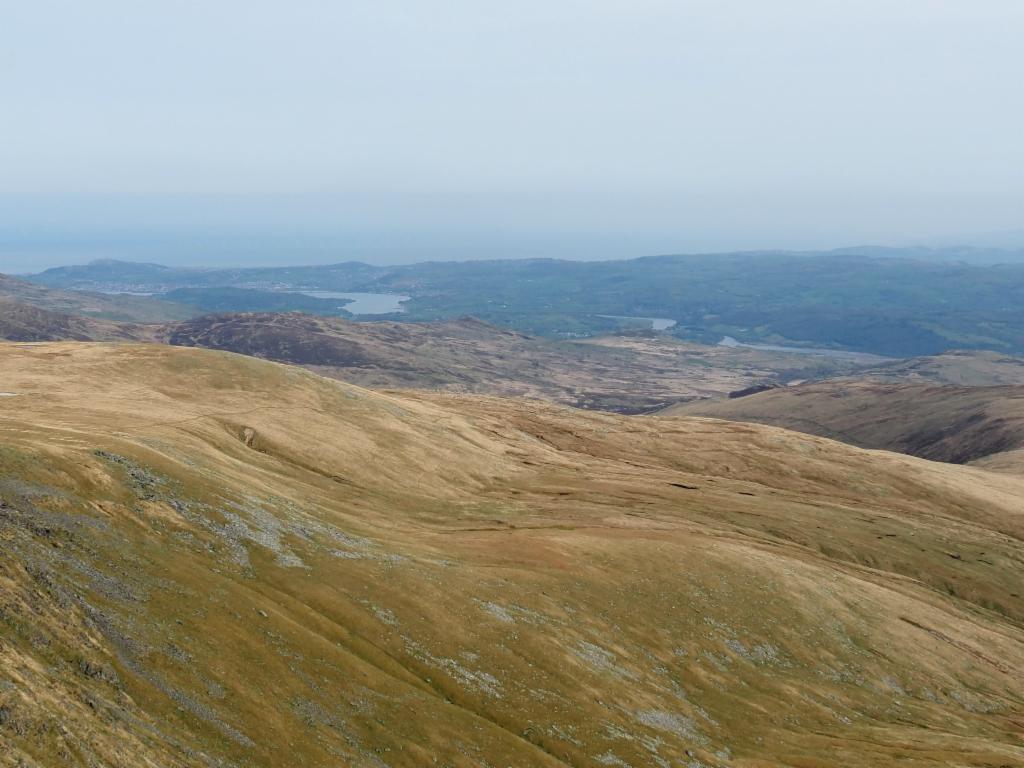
x,y
226,132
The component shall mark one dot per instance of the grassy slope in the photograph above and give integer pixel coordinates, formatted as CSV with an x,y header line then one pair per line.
x,y
978,424
215,560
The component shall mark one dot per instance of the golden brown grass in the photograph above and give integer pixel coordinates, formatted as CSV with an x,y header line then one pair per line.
x,y
209,559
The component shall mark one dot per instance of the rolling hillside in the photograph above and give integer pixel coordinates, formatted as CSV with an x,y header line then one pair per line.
x,y
212,560
981,425
25,322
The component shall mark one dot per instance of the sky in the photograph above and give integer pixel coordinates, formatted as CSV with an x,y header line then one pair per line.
x,y
287,131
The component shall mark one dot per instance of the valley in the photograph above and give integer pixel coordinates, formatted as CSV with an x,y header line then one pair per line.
x,y
265,538
275,538
630,372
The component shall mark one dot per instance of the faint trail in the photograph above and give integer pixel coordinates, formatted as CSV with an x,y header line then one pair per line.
x,y
963,647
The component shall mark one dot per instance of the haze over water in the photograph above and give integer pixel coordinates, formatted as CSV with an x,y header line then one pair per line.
x,y
312,131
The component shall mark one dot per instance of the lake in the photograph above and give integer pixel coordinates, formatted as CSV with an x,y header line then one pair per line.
x,y
657,323
364,303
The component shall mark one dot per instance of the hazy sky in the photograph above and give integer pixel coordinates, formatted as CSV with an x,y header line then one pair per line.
x,y
312,130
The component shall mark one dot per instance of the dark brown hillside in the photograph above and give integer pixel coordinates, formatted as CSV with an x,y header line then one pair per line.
x,y
24,322
960,425
291,338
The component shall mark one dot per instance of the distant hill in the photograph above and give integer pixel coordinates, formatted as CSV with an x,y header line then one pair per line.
x,y
25,322
122,308
111,274
1011,253
891,302
968,368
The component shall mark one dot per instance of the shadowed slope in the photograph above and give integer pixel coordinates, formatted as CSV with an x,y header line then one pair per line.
x,y
962,425
24,322
214,560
